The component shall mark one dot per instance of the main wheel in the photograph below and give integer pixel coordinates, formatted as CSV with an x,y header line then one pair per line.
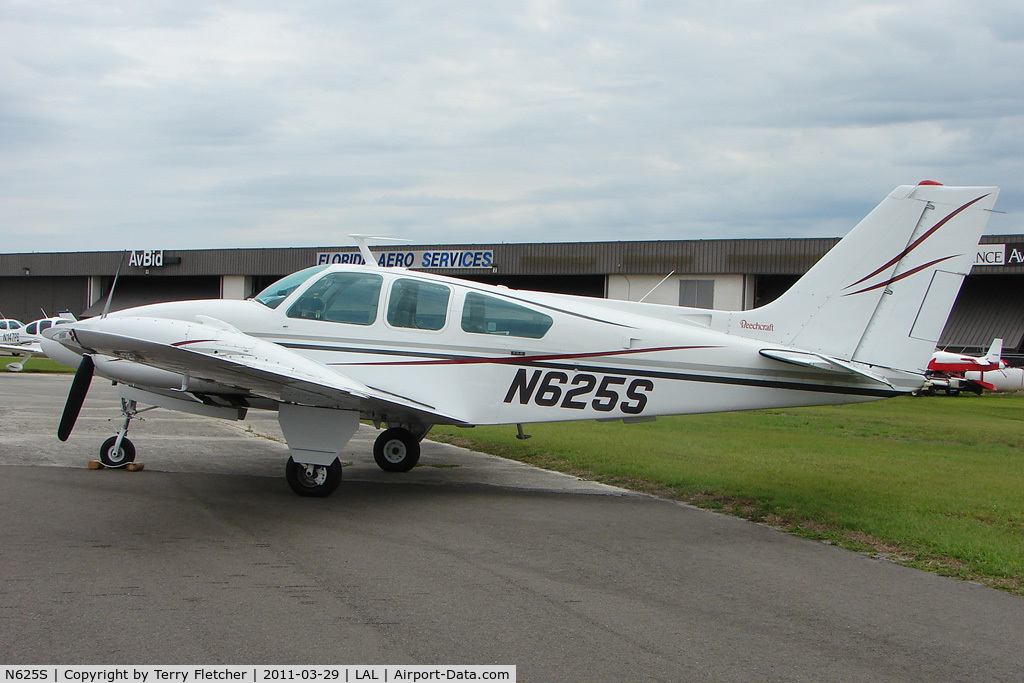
x,y
396,450
119,458
317,481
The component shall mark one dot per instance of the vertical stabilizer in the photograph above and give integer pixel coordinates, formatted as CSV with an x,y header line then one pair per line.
x,y
995,352
882,295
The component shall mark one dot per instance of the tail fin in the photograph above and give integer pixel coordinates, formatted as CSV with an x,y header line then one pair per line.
x,y
995,352
882,295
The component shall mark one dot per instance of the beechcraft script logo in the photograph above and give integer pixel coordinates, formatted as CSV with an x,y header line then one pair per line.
x,y
896,259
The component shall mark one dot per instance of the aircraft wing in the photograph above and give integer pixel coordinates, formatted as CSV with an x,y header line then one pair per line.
x,y
243,364
32,349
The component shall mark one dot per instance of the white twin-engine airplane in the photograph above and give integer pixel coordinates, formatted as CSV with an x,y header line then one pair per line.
x,y
329,345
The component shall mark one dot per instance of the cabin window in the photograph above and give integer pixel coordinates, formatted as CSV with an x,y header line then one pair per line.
x,y
484,314
273,295
418,305
31,328
340,298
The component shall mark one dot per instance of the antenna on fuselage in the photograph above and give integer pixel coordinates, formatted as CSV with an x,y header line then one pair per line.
x,y
110,294
364,248
657,285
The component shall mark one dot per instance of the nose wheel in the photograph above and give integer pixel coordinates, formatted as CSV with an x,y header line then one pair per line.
x,y
118,450
114,454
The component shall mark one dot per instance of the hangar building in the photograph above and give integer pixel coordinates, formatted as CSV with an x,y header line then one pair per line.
x,y
735,274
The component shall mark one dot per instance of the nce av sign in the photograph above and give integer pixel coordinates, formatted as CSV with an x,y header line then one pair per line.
x,y
999,255
446,258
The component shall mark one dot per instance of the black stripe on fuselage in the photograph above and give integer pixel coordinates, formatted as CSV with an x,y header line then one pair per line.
x,y
629,372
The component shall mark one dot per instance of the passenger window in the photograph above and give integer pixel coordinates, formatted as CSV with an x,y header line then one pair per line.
x,y
418,305
3,324
489,315
45,325
30,328
340,298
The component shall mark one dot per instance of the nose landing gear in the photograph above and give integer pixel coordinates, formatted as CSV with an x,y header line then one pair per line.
x,y
118,450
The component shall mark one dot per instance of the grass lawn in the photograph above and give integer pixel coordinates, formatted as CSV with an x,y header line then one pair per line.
x,y
932,482
36,364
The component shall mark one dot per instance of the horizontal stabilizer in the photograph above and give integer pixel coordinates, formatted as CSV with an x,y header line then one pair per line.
x,y
820,362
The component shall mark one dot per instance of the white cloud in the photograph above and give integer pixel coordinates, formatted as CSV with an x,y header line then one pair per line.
x,y
235,124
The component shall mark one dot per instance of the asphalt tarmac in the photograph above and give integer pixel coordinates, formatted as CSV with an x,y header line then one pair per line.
x,y
207,557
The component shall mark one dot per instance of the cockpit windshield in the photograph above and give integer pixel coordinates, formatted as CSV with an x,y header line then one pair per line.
x,y
272,296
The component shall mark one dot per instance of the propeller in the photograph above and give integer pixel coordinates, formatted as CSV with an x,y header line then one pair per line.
x,y
76,397
83,376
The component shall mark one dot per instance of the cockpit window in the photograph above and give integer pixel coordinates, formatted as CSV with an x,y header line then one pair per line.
x,y
417,304
489,315
273,295
340,298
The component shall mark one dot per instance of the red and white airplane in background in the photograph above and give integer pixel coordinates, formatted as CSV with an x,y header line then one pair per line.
x,y
330,345
948,371
944,361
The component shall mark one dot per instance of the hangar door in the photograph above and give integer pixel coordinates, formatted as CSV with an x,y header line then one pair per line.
x,y
137,290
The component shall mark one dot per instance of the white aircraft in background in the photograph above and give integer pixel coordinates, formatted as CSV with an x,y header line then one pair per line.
x,y
30,339
10,331
330,345
1002,379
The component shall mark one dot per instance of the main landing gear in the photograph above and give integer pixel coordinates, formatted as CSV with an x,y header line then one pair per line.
x,y
396,450
315,481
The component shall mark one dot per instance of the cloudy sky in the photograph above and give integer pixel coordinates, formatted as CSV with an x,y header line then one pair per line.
x,y
177,124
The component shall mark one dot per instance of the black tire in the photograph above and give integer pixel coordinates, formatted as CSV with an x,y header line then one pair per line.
x,y
315,481
122,457
396,450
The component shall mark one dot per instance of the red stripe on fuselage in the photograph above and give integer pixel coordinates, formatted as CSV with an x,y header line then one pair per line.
x,y
514,360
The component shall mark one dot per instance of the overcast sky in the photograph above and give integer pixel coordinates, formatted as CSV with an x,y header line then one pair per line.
x,y
177,124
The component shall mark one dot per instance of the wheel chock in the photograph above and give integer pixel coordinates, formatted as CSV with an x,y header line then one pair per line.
x,y
131,467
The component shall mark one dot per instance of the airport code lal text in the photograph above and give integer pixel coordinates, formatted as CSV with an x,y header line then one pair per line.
x,y
257,674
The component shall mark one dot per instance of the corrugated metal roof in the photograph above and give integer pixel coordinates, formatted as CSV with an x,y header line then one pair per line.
x,y
707,257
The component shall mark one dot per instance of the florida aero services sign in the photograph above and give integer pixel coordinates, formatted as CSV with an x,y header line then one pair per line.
x,y
452,258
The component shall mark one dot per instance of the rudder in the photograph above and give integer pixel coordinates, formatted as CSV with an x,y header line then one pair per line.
x,y
883,294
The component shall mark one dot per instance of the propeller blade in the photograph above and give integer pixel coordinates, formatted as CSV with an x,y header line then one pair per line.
x,y
76,397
